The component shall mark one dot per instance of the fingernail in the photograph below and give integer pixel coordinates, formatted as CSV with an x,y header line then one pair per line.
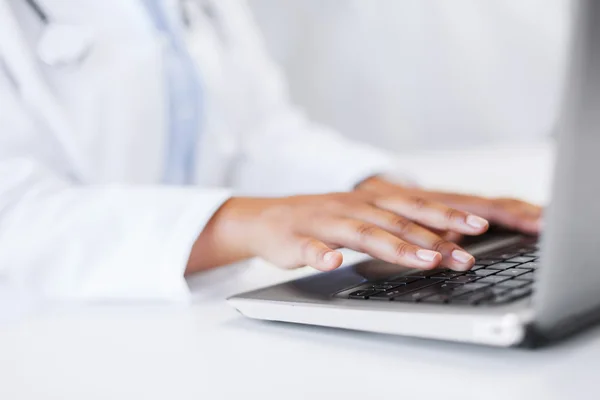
x,y
328,257
462,256
426,255
476,222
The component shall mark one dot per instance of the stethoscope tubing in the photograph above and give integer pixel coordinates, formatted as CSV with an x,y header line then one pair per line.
x,y
39,11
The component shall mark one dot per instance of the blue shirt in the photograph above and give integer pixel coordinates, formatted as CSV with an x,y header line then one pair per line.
x,y
184,97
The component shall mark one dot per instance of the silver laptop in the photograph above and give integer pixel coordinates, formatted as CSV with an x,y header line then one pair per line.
x,y
521,291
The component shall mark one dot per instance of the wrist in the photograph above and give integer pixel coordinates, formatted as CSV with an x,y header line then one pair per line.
x,y
226,237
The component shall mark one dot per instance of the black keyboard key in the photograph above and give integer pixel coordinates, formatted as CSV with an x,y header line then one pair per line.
x,y
476,286
482,272
446,275
498,290
417,295
480,297
522,268
535,254
494,279
511,296
404,289
473,297
521,259
448,285
512,284
363,294
454,289
464,279
486,261
425,273
529,276
525,249
459,290
385,286
401,280
521,292
502,265
470,287
529,265
505,256
514,272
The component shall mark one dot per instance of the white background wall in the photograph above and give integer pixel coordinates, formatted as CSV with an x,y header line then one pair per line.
x,y
414,74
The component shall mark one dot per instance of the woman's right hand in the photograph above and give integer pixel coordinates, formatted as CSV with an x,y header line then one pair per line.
x,y
306,230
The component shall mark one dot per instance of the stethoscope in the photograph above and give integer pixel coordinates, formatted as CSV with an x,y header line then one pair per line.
x,y
62,44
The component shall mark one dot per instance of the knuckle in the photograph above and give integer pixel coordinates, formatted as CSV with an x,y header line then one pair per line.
x,y
452,214
402,250
307,248
419,203
364,195
442,246
500,210
365,231
499,204
514,220
402,225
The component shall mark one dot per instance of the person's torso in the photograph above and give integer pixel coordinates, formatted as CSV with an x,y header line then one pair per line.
x,y
115,101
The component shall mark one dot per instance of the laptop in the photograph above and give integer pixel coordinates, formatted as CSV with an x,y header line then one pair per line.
x,y
522,291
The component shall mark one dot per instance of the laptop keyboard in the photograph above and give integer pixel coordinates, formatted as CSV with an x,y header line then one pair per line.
x,y
497,278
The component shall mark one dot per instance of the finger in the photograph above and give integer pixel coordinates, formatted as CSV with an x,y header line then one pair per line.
x,y
450,236
453,237
371,239
453,256
517,216
526,208
434,215
316,254
472,203
509,213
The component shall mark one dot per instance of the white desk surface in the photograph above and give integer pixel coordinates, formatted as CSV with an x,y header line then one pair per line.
x,y
209,351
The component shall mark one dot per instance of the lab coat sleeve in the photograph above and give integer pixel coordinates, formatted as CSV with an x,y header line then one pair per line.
x,y
65,240
282,151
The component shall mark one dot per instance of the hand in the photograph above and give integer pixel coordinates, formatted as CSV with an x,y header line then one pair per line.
x,y
508,213
306,230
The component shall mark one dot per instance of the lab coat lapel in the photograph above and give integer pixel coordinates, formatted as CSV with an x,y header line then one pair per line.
x,y
20,60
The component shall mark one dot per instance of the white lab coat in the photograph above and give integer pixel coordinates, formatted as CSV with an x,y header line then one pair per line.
x,y
83,213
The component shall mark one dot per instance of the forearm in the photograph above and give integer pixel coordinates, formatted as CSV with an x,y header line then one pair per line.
x,y
215,245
